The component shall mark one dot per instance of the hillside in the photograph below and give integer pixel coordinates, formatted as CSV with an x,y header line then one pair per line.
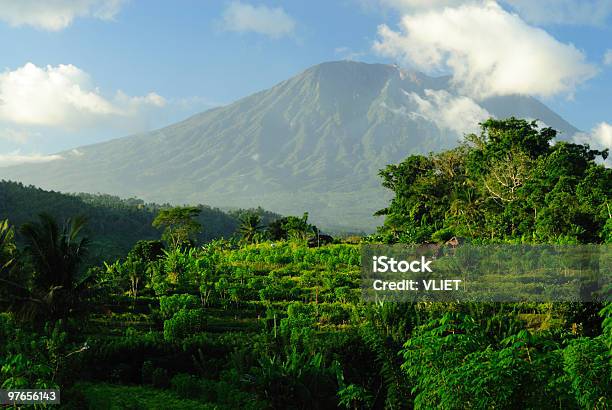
x,y
314,142
113,224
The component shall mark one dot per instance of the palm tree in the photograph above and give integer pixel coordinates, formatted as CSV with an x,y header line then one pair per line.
x,y
7,246
250,227
56,255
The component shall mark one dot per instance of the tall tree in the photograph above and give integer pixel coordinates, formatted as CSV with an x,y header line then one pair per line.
x,y
298,228
250,227
180,226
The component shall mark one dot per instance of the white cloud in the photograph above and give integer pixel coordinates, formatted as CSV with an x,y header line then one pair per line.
x,y
152,99
62,96
273,22
16,158
608,57
599,138
576,12
459,114
488,50
602,136
56,15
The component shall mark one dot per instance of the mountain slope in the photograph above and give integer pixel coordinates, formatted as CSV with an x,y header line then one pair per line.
x,y
314,142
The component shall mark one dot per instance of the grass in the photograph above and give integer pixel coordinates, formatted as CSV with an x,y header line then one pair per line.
x,y
103,396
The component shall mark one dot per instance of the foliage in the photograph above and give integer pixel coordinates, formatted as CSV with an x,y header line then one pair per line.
x,y
250,228
179,223
354,397
299,379
184,323
56,282
587,365
29,359
146,251
7,246
11,287
106,396
291,227
170,305
114,224
276,324
507,183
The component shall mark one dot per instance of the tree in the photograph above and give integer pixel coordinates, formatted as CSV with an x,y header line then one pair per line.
x,y
298,228
291,227
56,255
7,246
134,271
276,231
147,251
508,183
250,227
180,226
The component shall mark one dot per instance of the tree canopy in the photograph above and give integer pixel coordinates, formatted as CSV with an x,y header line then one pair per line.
x,y
179,223
510,182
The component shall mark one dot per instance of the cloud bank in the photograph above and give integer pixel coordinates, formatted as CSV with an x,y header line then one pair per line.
x,y
15,158
488,50
272,22
62,96
55,15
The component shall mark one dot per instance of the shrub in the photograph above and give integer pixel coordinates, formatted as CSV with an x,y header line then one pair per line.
x,y
184,323
169,305
586,363
187,385
105,397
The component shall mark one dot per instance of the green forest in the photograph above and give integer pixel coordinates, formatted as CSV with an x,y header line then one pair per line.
x,y
114,225
194,308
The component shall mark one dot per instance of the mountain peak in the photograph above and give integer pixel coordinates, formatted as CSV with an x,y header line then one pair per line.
x,y
314,142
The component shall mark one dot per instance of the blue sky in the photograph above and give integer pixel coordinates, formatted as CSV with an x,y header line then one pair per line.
x,y
101,69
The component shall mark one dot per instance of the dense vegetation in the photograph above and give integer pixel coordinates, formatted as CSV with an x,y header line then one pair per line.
x,y
265,321
507,184
114,224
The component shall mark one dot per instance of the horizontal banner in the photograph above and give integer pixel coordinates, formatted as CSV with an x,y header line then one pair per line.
x,y
487,273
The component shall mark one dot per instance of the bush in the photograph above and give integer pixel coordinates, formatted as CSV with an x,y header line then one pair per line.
x,y
184,323
169,305
187,385
586,363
